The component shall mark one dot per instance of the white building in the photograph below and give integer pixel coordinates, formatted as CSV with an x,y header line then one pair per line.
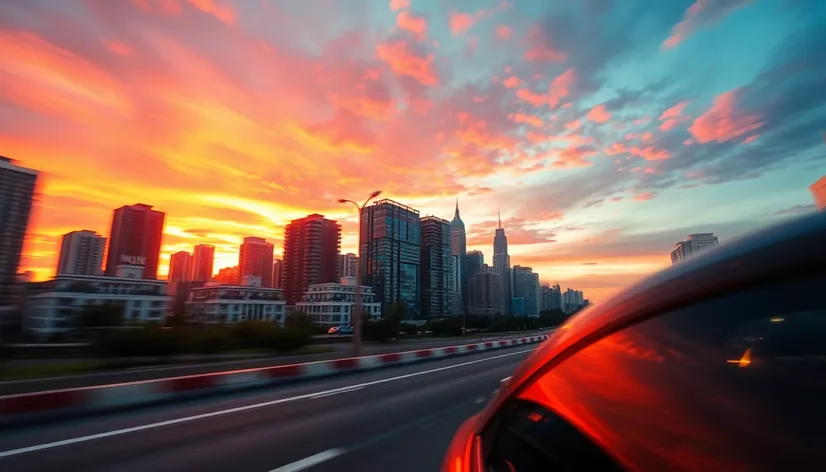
x,y
333,303
217,303
693,244
81,253
51,306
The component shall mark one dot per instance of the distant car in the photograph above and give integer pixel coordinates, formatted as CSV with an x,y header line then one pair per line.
x,y
715,364
340,330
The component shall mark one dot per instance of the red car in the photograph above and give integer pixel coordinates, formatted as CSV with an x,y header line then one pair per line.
x,y
716,364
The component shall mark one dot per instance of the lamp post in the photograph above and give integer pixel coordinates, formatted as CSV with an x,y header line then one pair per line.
x,y
356,318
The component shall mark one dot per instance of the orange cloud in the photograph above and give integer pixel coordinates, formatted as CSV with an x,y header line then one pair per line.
x,y
512,82
598,114
573,125
416,25
560,87
405,62
574,157
460,22
503,31
399,4
644,197
225,13
723,122
535,99
650,153
530,119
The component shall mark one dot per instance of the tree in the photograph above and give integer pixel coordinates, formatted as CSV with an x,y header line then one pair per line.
x,y
395,312
548,318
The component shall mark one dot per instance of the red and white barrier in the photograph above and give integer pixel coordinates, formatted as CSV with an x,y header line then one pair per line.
x,y
104,397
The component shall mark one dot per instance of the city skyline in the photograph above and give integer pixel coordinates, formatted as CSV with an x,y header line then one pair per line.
x,y
598,172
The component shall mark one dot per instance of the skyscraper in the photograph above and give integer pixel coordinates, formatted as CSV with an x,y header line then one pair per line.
x,y
389,253
525,286
347,265
135,239
17,186
458,245
255,260
311,246
436,265
180,267
81,253
474,263
485,293
693,244
203,260
278,274
502,266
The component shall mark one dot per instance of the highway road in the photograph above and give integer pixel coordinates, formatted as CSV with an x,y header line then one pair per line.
x,y
399,419
12,387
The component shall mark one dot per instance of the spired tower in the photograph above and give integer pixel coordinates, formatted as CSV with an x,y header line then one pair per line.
x,y
502,266
458,246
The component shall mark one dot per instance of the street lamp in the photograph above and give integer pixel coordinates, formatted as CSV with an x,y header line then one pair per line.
x,y
356,318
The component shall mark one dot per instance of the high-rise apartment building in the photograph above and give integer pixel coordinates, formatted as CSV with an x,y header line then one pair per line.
x,y
550,298
458,245
81,253
203,261
502,266
347,265
389,253
17,186
693,244
526,287
311,246
278,274
474,263
485,293
818,190
255,260
135,239
436,266
180,267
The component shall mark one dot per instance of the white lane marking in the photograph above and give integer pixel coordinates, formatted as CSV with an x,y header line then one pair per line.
x,y
119,432
308,462
337,392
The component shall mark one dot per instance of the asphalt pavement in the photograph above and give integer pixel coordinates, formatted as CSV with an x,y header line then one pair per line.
x,y
12,387
398,419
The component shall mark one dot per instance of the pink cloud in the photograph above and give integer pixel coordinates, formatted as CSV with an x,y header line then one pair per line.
x,y
225,13
530,119
574,157
723,122
616,148
650,153
751,139
673,116
646,137
573,125
688,142
403,61
641,121
561,87
644,196
544,54
399,4
460,22
598,114
503,31
701,13
535,99
416,25
512,82
118,48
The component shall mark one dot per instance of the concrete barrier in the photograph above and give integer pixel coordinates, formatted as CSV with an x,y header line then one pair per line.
x,y
55,404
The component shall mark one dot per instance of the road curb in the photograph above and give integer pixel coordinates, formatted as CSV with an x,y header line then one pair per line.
x,y
57,404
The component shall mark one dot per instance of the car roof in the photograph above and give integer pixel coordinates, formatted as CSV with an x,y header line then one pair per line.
x,y
787,249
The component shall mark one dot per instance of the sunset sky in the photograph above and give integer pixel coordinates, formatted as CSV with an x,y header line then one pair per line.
x,y
605,130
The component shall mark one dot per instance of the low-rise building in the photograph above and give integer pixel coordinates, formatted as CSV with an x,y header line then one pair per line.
x,y
333,303
233,303
51,307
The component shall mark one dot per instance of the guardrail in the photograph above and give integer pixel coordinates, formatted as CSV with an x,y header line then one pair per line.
x,y
55,404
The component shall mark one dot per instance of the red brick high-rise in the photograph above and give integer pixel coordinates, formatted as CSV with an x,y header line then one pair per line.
x,y
255,260
135,239
311,246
